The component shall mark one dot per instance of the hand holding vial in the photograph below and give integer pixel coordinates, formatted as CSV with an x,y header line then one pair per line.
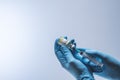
x,y
82,63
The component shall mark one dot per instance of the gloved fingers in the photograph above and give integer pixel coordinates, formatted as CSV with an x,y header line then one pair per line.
x,y
59,54
61,58
64,50
94,60
67,53
91,54
83,57
77,52
56,46
63,54
79,70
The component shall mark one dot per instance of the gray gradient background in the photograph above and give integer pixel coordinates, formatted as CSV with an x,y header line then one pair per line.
x,y
28,29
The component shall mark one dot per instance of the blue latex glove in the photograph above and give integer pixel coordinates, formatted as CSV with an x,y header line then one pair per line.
x,y
111,66
71,64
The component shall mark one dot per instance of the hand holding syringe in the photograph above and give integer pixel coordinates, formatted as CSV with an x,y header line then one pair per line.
x,y
71,46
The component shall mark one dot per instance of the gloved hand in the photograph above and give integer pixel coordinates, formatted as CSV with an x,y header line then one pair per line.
x,y
111,68
71,64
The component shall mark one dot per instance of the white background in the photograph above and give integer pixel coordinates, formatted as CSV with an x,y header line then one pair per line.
x,y
28,29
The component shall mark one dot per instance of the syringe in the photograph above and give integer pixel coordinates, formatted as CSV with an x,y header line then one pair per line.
x,y
71,46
